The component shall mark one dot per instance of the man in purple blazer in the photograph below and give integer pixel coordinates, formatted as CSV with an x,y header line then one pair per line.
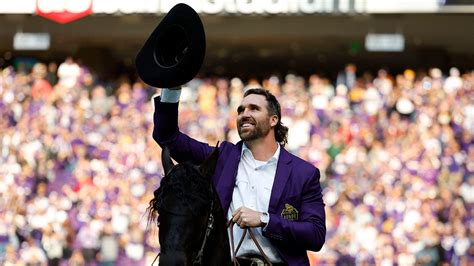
x,y
260,184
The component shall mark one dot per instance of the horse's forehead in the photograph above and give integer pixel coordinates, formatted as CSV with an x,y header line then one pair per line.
x,y
184,169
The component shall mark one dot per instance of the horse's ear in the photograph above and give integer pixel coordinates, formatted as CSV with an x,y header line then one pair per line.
x,y
166,159
208,167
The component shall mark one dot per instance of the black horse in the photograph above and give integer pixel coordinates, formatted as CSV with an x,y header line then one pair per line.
x,y
192,224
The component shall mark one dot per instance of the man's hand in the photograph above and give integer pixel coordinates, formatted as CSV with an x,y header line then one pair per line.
x,y
246,217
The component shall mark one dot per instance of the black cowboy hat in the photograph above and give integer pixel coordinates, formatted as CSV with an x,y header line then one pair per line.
x,y
174,52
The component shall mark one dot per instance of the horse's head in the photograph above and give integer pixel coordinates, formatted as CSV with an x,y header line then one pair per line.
x,y
184,203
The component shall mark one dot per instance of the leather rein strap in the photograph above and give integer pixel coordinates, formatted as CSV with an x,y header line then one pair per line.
x,y
230,225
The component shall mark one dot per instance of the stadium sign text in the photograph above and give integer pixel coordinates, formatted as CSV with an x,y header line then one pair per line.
x,y
232,6
63,11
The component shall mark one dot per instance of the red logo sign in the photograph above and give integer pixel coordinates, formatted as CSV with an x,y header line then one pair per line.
x,y
63,11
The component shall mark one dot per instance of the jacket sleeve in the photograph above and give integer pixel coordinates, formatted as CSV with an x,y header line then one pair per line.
x,y
166,132
309,231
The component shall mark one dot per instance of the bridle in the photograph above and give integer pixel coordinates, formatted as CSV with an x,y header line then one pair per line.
x,y
230,224
210,225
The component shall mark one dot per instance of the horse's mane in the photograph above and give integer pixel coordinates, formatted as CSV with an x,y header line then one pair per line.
x,y
192,191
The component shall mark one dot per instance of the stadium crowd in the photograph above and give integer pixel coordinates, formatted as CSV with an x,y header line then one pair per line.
x,y
78,165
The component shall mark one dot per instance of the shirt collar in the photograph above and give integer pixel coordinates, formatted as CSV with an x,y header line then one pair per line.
x,y
246,150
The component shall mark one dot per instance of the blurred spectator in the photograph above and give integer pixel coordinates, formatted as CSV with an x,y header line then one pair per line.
x,y
88,240
51,75
453,82
207,93
109,246
76,259
348,76
41,87
53,244
31,253
68,73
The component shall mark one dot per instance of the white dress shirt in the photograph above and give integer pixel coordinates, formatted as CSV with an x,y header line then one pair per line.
x,y
253,187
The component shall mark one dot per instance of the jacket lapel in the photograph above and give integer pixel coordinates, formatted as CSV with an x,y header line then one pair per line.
x,y
281,177
225,186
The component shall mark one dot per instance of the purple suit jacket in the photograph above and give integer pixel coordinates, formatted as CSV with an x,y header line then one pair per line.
x,y
297,218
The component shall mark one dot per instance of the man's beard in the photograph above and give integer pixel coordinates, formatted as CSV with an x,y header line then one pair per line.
x,y
259,130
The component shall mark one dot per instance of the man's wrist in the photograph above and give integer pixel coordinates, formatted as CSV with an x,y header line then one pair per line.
x,y
170,95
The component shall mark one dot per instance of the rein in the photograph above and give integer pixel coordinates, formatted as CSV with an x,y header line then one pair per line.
x,y
230,225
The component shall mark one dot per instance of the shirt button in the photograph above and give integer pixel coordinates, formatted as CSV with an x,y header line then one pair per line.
x,y
253,187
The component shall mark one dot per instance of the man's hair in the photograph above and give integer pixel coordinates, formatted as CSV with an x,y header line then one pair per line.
x,y
273,107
